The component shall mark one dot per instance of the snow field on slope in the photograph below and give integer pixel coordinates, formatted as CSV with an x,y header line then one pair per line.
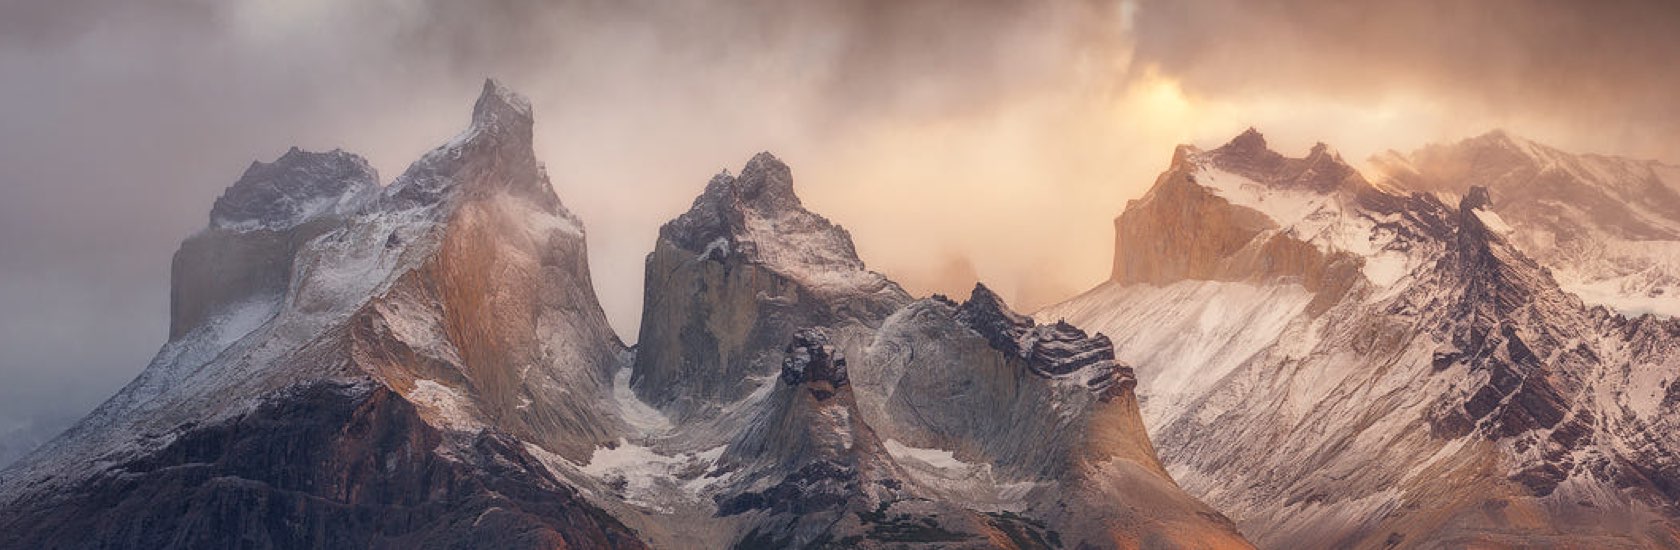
x,y
1317,218
1184,338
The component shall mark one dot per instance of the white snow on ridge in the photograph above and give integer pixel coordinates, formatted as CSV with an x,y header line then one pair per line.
x,y
793,244
1183,339
651,480
1317,218
937,458
1493,222
941,470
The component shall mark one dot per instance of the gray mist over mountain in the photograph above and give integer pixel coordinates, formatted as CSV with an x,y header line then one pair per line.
x,y
955,139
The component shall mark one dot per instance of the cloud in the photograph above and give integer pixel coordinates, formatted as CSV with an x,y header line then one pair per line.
x,y
1000,137
1591,76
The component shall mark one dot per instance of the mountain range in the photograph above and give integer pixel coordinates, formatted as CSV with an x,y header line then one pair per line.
x,y
1475,348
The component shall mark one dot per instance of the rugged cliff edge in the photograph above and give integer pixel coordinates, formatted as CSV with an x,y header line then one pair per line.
x,y
1387,329
354,367
425,364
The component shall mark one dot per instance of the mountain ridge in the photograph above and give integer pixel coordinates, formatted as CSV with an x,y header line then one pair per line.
x,y
1505,410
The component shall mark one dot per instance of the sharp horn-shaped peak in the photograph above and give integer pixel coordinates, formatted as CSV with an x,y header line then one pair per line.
x,y
494,152
1321,170
766,181
1250,140
502,110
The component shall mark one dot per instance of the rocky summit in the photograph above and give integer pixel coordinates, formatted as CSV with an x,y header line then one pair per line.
x,y
1292,325
424,364
1288,354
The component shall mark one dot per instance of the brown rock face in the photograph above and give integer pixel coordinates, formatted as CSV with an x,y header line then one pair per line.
x,y
1181,230
324,465
731,279
418,347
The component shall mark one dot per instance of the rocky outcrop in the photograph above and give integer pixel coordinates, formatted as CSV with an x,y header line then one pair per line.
x,y
327,464
1607,227
1061,431
810,357
1050,350
730,279
1505,412
1215,216
818,476
241,263
456,302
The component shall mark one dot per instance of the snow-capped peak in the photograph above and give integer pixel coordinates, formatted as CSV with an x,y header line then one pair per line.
x,y
758,217
1322,170
494,154
500,108
1608,228
295,188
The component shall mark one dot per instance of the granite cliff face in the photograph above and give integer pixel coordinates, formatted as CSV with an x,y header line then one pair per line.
x,y
854,416
1408,333
730,279
425,364
354,366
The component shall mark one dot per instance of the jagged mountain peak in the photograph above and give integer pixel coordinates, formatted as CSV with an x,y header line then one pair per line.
x,y
1321,170
764,186
747,250
1049,350
1478,198
813,358
499,108
767,182
297,187
756,216
494,154
1607,227
1249,140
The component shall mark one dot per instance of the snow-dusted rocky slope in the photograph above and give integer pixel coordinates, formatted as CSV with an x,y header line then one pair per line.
x,y
425,364
354,366
1608,227
850,415
1335,365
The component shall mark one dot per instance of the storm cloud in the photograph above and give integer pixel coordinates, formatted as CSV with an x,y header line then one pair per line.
x,y
956,139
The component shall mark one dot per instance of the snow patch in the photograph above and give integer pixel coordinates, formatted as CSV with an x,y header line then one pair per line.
x,y
719,245
1321,219
647,479
443,404
642,417
941,470
1493,222
1183,339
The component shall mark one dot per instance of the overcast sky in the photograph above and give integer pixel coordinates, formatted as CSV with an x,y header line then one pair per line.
x,y
956,139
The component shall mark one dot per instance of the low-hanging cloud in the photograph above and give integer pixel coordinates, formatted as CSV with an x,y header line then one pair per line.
x,y
958,140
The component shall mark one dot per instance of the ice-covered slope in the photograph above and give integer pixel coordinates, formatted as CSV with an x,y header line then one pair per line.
x,y
352,366
1334,365
1608,227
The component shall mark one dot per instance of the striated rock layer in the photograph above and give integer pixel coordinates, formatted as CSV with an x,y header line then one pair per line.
x,y
1502,411
1608,227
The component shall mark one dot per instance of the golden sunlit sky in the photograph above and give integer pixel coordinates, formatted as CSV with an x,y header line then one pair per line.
x,y
955,139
